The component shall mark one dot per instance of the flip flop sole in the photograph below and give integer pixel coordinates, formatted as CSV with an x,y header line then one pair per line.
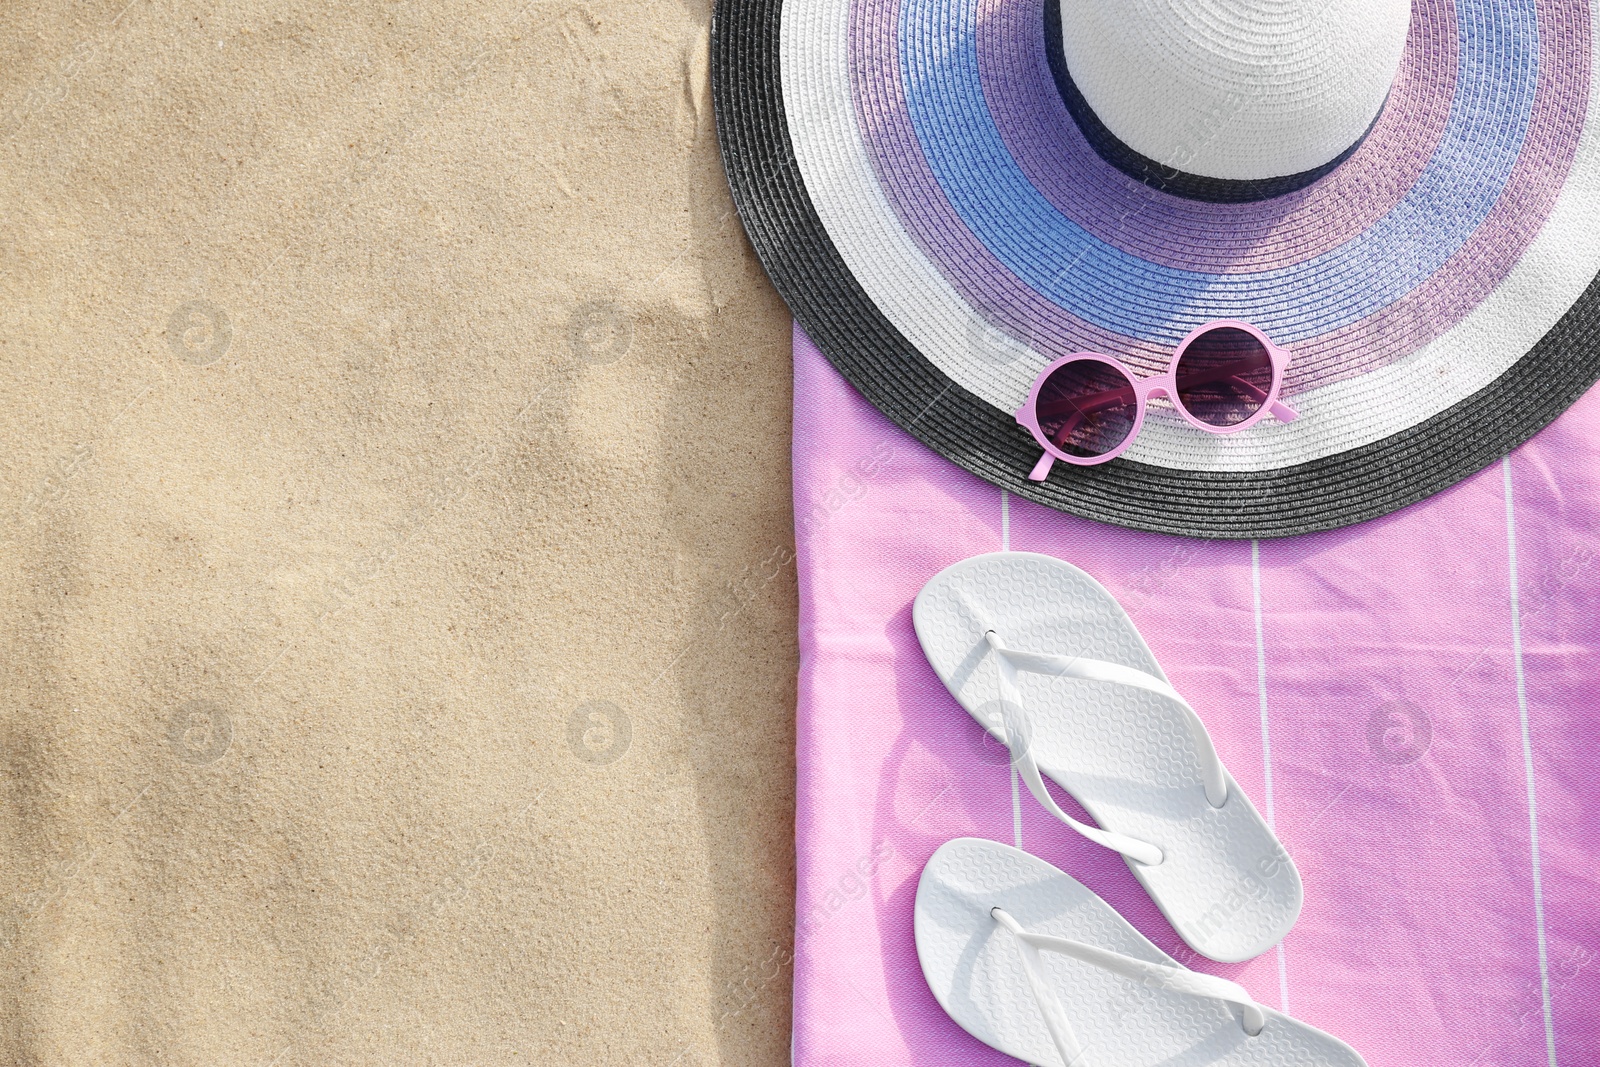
x,y
975,972
1127,755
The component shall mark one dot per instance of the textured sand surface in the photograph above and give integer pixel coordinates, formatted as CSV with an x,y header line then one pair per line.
x,y
396,585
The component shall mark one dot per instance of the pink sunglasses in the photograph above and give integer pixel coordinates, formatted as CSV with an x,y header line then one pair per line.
x,y
1087,408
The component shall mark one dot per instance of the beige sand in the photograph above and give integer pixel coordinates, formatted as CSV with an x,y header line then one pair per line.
x,y
395,567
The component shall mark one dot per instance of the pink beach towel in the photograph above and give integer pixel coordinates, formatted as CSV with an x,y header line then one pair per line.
x,y
1411,701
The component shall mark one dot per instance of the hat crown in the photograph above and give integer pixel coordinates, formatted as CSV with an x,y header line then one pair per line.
x,y
1236,89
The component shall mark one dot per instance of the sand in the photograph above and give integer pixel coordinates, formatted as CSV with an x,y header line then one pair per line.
x,y
396,551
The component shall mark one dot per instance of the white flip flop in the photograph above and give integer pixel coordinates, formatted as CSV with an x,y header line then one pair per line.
x,y
1030,962
1049,663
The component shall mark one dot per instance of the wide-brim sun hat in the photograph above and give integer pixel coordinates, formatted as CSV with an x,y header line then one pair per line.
x,y
952,194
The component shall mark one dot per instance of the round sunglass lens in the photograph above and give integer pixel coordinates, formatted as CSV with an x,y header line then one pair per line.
x,y
1224,376
1087,408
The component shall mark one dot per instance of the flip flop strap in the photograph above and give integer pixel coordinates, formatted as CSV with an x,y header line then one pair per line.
x,y
1151,975
1017,732
1211,773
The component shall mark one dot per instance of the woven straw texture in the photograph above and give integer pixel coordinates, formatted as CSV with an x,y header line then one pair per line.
x,y
1436,288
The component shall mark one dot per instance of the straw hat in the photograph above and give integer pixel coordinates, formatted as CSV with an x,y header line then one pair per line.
x,y
951,194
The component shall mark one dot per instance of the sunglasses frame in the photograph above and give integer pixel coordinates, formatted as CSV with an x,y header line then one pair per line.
x,y
1144,388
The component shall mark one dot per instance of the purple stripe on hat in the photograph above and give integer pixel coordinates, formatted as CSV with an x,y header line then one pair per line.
x,y
1246,236
1490,115
1003,299
1560,106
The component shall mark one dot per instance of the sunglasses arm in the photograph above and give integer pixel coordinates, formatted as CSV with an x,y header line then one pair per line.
x,y
1280,411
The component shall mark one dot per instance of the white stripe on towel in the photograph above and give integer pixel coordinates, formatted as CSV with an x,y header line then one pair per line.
x,y
1266,742
1527,762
